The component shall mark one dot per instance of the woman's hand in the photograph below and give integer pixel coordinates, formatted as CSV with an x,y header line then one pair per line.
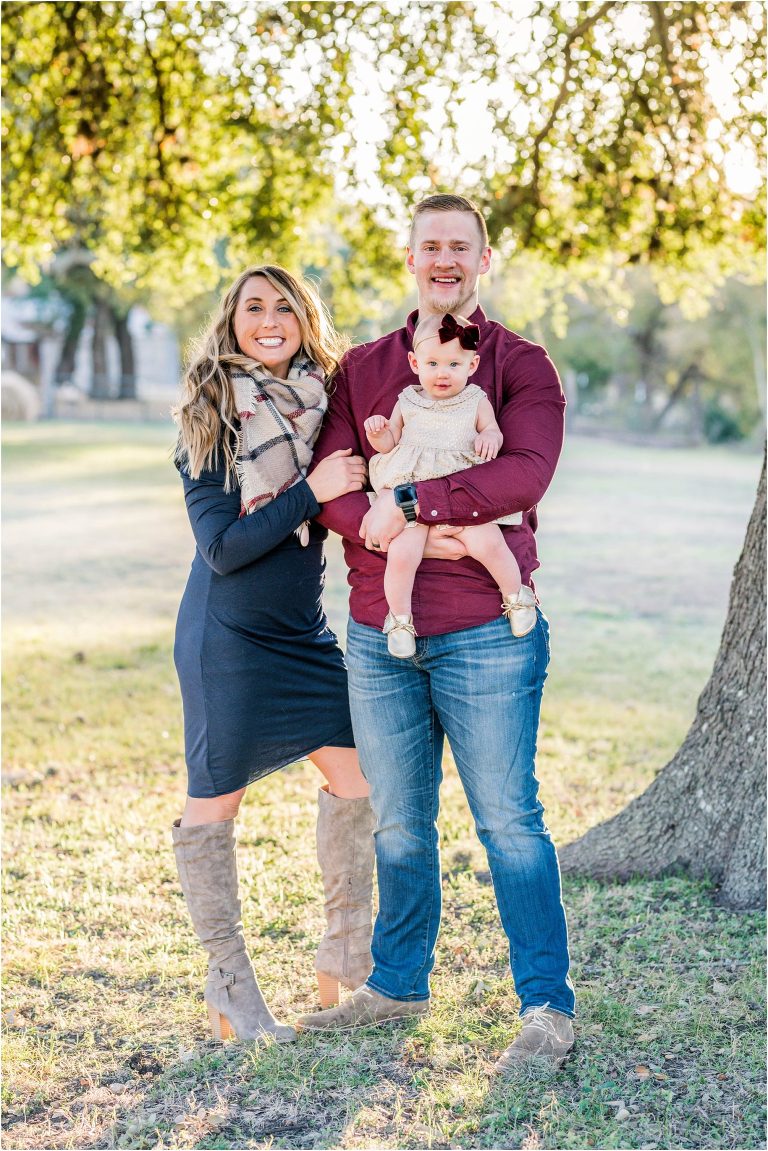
x,y
444,546
337,474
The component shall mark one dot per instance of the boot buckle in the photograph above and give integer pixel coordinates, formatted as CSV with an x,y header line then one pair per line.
x,y
223,978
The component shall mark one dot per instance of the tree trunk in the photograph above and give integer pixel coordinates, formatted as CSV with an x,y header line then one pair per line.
x,y
705,811
99,372
675,395
571,389
65,369
646,343
697,413
757,347
127,359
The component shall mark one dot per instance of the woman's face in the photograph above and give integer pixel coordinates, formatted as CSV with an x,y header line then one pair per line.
x,y
266,327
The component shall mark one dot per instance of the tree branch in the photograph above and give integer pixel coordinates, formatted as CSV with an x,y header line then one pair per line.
x,y
161,103
574,35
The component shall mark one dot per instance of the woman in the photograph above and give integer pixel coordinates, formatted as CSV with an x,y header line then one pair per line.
x,y
262,677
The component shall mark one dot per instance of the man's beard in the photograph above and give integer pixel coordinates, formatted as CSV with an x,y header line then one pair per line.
x,y
454,304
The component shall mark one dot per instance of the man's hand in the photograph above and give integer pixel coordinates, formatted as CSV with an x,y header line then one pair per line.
x,y
444,543
382,523
488,443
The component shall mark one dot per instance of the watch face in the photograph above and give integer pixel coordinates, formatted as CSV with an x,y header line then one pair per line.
x,y
405,494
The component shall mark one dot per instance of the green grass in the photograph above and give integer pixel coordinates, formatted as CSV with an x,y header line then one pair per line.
x,y
104,1036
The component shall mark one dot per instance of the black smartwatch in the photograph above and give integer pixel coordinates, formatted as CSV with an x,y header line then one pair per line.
x,y
406,499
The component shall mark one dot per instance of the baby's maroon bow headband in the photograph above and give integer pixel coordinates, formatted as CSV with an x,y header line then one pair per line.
x,y
468,335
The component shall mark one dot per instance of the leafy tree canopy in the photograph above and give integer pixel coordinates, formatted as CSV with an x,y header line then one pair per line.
x,y
178,140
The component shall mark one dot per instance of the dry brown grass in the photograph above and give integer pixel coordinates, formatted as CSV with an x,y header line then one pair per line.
x,y
104,1029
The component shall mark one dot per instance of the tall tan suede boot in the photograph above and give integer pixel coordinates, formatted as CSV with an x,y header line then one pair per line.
x,y
345,854
206,859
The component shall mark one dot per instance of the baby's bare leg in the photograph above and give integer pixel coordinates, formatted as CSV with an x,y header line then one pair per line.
x,y
404,555
486,544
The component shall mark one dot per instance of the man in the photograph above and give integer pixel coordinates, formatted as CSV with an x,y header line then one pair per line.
x,y
470,679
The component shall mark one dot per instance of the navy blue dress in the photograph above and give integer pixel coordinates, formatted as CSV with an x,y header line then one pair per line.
x,y
263,680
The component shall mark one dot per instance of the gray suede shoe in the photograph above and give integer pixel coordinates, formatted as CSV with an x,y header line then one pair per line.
x,y
364,1008
547,1036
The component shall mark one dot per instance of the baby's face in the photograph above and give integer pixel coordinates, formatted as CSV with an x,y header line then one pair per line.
x,y
443,369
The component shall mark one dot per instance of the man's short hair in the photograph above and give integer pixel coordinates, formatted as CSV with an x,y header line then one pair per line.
x,y
442,202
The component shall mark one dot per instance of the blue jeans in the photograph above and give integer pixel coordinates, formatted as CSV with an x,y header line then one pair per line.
x,y
480,687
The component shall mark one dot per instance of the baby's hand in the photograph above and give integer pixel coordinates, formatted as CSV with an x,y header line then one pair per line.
x,y
487,443
375,425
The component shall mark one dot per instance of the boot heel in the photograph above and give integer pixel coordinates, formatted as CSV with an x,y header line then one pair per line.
x,y
220,1025
328,986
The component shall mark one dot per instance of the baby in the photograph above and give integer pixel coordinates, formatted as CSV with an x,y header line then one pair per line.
x,y
443,425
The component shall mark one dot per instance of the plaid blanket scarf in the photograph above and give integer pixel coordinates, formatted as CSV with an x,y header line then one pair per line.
x,y
279,422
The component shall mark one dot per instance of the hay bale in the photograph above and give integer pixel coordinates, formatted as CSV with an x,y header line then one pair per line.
x,y
19,399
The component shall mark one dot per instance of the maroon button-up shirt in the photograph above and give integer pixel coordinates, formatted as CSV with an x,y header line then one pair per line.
x,y
524,389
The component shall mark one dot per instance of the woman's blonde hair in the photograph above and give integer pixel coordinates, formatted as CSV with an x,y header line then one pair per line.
x,y
206,415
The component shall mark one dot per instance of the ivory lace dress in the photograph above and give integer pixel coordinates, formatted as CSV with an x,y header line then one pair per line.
x,y
437,439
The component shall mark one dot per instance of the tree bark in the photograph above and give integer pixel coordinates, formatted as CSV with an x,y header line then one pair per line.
x,y
65,369
705,813
100,389
124,339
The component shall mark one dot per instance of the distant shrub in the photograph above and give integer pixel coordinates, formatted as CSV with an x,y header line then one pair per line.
x,y
720,425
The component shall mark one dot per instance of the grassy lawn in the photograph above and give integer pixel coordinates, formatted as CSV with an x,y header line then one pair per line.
x,y
104,1027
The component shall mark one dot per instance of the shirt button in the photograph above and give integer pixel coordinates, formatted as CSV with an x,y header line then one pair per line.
x,y
433,512
474,513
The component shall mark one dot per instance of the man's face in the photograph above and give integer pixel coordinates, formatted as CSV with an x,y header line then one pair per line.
x,y
447,259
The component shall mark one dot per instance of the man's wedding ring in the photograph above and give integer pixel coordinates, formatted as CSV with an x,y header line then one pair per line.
x,y
375,544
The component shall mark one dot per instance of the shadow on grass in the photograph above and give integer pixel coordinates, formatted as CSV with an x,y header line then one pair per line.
x,y
306,1094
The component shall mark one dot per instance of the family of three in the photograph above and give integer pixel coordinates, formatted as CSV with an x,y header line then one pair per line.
x,y
280,427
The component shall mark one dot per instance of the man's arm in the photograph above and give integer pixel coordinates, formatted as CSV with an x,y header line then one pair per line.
x,y
339,430
531,420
